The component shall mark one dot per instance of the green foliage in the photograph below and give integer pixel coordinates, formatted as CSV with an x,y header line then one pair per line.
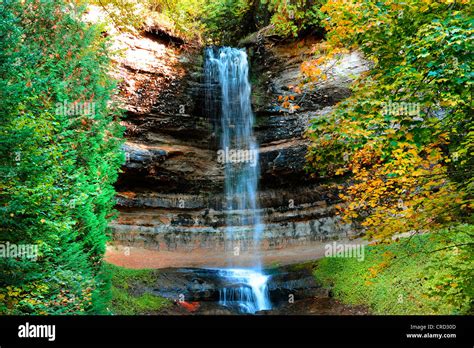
x,y
179,17
221,21
424,61
423,274
423,158
227,21
57,168
185,16
291,17
125,285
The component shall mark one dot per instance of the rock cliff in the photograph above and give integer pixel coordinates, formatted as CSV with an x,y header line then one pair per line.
x,y
171,188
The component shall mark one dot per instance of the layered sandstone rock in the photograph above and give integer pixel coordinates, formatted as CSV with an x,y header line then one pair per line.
x,y
171,188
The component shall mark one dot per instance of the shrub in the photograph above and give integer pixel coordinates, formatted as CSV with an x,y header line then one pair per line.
x,y
59,140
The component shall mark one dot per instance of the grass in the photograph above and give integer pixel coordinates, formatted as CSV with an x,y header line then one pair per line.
x,y
128,292
425,274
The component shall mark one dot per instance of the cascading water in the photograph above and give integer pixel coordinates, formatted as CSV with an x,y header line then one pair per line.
x,y
250,293
227,84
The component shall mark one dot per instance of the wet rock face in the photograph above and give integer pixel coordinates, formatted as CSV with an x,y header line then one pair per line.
x,y
171,187
286,287
188,284
199,284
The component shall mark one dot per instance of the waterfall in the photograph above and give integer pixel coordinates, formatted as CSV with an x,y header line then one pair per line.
x,y
250,293
228,86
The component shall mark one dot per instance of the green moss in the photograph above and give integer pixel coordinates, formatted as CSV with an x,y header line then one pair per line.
x,y
126,304
124,277
427,276
303,266
128,292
